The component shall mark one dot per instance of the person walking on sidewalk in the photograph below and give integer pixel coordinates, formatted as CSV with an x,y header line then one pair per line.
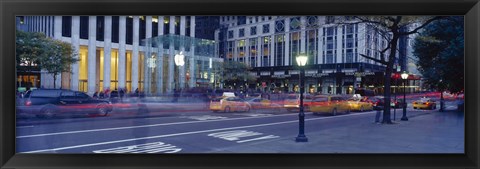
x,y
377,115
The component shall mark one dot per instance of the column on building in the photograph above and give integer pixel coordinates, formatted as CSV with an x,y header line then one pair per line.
x,y
272,45
181,72
135,57
160,67
76,46
287,43
122,52
92,54
259,50
171,65
192,53
303,35
148,78
57,34
107,52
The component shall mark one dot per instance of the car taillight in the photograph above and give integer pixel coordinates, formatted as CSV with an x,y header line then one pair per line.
x,y
28,103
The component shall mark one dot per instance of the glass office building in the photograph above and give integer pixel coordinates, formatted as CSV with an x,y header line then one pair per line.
x,y
179,62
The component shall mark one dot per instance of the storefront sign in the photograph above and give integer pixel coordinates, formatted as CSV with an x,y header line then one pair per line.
x,y
279,73
316,75
357,74
281,76
264,73
294,72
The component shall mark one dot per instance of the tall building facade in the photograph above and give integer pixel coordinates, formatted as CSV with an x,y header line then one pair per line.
x,y
111,49
269,44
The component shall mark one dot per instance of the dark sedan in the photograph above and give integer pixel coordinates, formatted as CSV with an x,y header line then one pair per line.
x,y
49,103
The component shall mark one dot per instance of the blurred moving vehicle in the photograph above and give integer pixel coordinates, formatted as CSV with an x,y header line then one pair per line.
x,y
49,103
378,103
424,103
261,103
292,102
360,104
229,104
329,104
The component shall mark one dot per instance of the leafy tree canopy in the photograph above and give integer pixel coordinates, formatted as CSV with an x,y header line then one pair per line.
x,y
440,52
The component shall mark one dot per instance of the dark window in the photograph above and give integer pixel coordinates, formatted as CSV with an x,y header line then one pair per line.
x,y
230,34
329,19
154,29
100,27
266,28
166,27
81,95
187,25
241,32
115,28
280,26
129,31
67,26
177,25
143,27
83,27
253,30
68,95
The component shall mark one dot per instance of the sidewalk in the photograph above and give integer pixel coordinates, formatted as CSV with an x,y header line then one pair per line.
x,y
434,132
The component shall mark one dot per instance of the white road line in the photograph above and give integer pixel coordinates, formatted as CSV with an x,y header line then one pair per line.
x,y
21,127
186,133
142,126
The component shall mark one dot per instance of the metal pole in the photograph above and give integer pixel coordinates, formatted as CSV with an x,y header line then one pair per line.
x,y
395,98
404,117
301,135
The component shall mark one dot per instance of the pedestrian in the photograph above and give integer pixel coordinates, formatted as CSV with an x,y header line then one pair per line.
x,y
101,95
95,95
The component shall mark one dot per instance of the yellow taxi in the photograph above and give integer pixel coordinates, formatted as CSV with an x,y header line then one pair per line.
x,y
329,104
425,103
292,102
229,104
358,103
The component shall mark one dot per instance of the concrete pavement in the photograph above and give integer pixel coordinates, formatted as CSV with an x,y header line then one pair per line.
x,y
424,132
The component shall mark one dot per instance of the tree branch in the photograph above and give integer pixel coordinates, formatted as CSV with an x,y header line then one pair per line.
x,y
374,59
421,26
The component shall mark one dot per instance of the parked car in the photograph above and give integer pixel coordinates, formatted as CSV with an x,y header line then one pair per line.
x,y
229,104
329,104
54,102
292,102
360,104
425,103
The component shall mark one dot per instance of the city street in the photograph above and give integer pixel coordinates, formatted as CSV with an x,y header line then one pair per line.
x,y
427,131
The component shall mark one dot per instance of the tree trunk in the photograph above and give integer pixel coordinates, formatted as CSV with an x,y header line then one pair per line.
x,y
54,80
387,83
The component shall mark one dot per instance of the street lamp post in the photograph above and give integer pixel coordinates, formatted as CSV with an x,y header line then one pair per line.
x,y
404,77
301,61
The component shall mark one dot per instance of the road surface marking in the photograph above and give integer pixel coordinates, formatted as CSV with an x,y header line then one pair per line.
x,y
188,133
204,117
157,147
259,138
142,126
253,114
238,135
20,127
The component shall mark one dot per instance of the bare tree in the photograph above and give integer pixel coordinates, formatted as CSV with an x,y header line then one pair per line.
x,y
391,28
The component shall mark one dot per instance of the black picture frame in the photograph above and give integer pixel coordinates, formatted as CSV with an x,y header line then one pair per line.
x,y
10,8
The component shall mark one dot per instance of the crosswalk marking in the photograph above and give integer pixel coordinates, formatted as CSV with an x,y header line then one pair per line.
x,y
157,147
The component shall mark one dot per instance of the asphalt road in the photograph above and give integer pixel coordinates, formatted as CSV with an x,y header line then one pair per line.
x,y
192,132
